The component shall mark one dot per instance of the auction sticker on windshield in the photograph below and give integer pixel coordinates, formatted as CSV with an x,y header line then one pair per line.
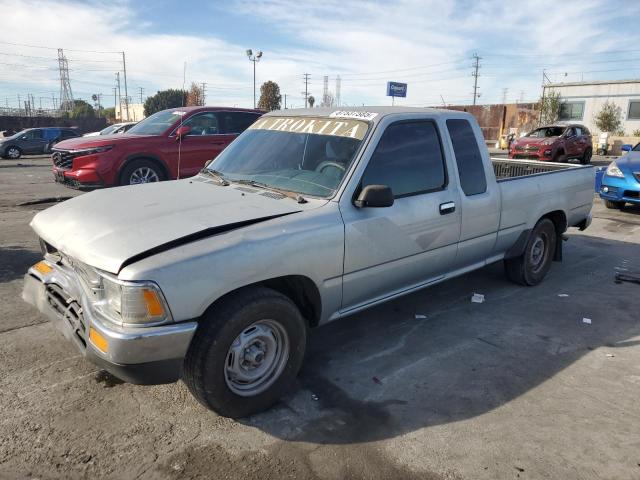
x,y
340,127
353,114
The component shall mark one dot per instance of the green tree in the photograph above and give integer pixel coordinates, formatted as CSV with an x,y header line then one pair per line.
x,y
82,109
109,112
608,119
549,107
164,99
270,97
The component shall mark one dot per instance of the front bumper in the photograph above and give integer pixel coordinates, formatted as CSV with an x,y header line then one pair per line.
x,y
79,179
143,355
540,155
618,189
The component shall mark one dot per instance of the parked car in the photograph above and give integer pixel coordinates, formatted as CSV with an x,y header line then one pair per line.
x,y
621,181
34,141
112,129
556,143
309,216
170,144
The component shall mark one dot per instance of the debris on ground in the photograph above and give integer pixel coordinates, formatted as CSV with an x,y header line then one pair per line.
x,y
627,277
376,380
477,298
610,355
587,321
314,396
563,295
419,316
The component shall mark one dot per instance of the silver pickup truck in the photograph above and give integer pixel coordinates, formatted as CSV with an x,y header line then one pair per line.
x,y
308,216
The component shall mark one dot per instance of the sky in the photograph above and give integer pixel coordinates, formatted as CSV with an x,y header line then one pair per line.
x,y
427,44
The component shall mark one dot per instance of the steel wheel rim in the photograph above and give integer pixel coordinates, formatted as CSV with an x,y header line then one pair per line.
x,y
538,253
13,153
256,358
143,175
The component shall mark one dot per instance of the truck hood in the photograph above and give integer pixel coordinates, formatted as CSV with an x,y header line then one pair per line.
x,y
109,229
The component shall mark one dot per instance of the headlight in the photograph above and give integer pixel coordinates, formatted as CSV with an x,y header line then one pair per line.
x,y
91,151
614,171
130,303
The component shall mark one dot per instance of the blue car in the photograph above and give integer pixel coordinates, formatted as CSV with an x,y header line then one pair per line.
x,y
621,180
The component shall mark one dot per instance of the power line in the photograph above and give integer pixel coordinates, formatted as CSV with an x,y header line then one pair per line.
x,y
54,48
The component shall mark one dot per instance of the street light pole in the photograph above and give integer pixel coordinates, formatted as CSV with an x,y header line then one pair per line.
x,y
255,59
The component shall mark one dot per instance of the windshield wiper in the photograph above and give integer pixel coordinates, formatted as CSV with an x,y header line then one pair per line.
x,y
253,183
217,175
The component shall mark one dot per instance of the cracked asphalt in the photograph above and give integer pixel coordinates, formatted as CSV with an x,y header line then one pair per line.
x,y
515,387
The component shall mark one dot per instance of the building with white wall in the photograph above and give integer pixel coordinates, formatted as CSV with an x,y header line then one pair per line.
x,y
581,101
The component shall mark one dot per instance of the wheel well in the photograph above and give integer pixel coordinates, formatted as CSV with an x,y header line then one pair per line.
x,y
301,290
159,163
559,220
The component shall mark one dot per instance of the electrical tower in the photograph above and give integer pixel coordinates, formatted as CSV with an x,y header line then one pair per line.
x,y
325,91
203,101
66,96
475,76
306,77
338,82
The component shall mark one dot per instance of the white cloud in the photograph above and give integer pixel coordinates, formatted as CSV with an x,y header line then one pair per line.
x,y
367,43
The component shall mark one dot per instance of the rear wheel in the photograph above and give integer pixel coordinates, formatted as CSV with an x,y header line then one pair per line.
x,y
614,205
141,171
246,352
530,268
586,156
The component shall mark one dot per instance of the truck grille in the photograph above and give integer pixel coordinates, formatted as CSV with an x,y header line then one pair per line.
x,y
63,159
69,309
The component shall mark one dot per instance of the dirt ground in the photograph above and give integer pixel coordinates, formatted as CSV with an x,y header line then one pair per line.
x,y
516,387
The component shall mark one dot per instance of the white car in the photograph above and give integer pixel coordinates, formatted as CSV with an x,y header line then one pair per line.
x,y
112,129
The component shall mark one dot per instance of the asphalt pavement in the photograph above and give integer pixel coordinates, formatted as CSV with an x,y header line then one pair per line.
x,y
430,386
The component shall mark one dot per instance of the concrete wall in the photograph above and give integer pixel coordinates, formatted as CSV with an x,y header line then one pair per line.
x,y
595,94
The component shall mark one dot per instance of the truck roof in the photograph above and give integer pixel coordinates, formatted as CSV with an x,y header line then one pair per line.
x,y
379,111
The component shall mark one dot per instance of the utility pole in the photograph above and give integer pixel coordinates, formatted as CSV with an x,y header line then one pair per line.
x,y
255,59
306,77
505,91
115,101
204,94
475,75
285,101
141,94
338,84
119,95
126,93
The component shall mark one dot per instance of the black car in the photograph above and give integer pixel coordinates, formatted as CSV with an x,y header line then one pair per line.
x,y
34,141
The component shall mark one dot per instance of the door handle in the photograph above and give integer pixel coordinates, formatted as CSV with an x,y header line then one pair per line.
x,y
448,207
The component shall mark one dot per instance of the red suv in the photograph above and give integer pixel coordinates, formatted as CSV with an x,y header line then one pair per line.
x,y
170,144
556,143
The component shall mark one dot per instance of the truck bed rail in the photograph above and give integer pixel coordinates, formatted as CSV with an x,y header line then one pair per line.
x,y
506,169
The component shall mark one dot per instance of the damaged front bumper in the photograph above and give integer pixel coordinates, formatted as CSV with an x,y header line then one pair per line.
x,y
141,355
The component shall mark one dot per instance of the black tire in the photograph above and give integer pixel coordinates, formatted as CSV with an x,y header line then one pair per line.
x,y
586,156
559,157
614,205
526,269
12,156
208,359
156,174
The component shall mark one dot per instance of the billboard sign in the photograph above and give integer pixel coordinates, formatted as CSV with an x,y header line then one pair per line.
x,y
396,89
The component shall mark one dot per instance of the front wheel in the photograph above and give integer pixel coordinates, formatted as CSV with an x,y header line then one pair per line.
x,y
530,268
141,171
13,153
246,352
586,157
614,205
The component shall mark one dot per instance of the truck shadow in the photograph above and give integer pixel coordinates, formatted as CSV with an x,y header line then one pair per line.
x,y
388,371
15,261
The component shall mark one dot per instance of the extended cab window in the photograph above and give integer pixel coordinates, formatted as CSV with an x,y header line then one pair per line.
x,y
468,158
408,159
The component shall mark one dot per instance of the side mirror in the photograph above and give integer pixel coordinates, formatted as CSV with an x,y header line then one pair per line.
x,y
375,196
626,147
182,131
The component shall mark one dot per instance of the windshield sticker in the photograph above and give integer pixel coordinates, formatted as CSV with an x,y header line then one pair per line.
x,y
353,114
318,126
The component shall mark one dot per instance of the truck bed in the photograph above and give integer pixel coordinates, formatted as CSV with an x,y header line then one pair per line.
x,y
508,169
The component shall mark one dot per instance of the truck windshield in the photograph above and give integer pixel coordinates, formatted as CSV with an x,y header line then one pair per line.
x,y
303,155
157,123
546,132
